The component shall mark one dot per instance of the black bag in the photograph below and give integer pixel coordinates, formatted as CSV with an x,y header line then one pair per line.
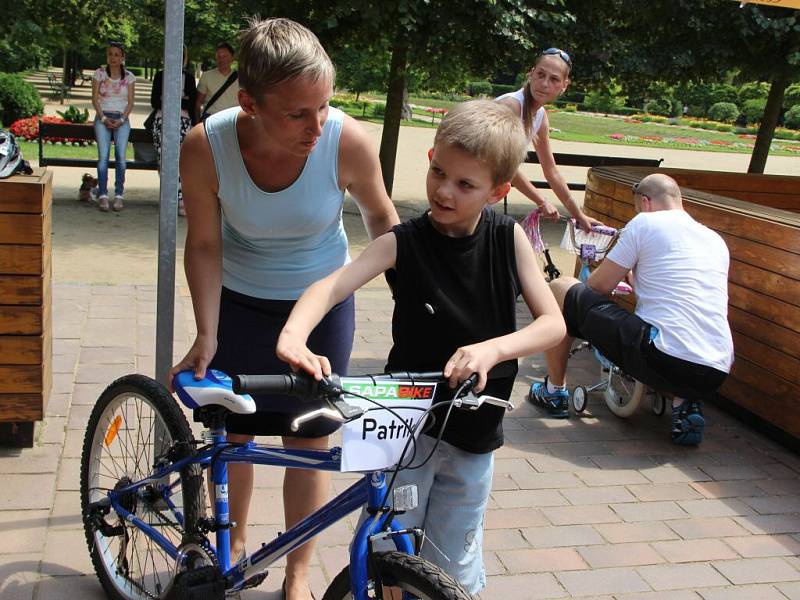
x,y
150,120
228,82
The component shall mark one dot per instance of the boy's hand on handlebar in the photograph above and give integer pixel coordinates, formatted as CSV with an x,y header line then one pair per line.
x,y
586,223
295,352
197,359
475,358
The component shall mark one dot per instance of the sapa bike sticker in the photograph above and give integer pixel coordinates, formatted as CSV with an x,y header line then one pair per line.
x,y
376,440
111,434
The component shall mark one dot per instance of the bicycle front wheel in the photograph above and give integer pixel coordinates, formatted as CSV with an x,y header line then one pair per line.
x,y
135,422
416,577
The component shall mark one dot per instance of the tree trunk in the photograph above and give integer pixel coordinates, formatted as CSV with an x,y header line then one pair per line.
x,y
406,113
772,111
394,107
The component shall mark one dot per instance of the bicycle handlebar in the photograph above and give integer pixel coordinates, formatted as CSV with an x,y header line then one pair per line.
x,y
304,386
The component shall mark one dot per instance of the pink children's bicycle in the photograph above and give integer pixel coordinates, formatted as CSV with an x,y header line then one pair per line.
x,y
622,393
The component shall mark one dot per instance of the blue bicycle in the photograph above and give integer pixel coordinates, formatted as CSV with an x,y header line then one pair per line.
x,y
143,504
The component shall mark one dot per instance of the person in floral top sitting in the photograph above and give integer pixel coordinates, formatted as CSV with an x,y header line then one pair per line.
x,y
112,96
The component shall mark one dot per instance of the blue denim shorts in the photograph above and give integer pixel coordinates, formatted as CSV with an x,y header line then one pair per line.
x,y
454,488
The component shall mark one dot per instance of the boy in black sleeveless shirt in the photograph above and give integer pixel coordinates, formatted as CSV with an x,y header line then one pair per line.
x,y
458,271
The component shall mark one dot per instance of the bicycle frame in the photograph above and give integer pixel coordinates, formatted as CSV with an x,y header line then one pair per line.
x,y
369,491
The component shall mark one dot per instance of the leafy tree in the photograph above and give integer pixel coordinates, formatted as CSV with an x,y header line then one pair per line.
x,y
711,37
360,70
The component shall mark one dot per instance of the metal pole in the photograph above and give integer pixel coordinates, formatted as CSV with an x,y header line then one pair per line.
x,y
168,204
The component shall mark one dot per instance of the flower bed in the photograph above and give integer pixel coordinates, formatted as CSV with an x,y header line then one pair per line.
x,y
682,141
28,129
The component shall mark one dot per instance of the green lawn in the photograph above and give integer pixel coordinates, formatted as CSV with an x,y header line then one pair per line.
x,y
586,127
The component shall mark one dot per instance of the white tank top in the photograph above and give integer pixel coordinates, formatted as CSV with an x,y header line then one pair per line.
x,y
519,96
276,244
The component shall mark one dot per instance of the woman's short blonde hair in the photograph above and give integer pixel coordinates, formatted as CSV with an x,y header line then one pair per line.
x,y
490,132
272,51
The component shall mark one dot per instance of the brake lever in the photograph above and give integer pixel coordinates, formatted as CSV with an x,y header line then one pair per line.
x,y
328,413
472,402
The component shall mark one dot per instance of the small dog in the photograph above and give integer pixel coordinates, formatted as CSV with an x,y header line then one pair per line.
x,y
88,189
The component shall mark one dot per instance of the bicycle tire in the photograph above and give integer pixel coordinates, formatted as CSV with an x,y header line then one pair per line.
x,y
407,572
116,449
624,398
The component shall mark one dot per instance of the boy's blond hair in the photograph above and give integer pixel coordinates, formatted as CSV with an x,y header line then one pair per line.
x,y
273,51
490,132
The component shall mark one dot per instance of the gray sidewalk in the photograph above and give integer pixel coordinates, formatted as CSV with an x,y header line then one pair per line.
x,y
593,506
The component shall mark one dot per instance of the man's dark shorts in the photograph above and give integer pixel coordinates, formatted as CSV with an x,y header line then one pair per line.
x,y
624,339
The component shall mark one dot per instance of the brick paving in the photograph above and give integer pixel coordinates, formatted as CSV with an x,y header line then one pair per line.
x,y
590,507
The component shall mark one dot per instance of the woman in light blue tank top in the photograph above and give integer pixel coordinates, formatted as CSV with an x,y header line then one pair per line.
x,y
547,80
264,185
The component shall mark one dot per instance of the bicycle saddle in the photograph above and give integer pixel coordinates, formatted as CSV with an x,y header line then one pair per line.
x,y
214,389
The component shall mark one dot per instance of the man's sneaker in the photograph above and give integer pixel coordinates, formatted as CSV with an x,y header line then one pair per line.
x,y
688,423
119,203
556,403
102,203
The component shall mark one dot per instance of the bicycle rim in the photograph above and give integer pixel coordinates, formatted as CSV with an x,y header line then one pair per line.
x,y
133,425
623,394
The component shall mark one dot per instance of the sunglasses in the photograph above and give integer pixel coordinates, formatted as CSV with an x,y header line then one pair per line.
x,y
560,53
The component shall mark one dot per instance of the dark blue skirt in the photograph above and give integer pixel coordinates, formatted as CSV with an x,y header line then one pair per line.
x,y
247,335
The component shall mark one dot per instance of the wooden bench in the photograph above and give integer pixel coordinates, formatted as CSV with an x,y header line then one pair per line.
x,y
58,89
585,160
86,132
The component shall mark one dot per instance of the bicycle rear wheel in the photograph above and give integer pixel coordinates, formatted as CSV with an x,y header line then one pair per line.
x,y
416,577
623,394
134,424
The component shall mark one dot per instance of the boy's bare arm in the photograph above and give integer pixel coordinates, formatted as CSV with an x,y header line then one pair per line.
x,y
545,331
321,297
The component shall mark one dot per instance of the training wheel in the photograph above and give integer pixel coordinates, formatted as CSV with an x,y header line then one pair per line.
x,y
579,395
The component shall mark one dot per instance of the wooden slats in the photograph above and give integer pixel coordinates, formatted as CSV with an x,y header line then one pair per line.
x,y
764,275
25,297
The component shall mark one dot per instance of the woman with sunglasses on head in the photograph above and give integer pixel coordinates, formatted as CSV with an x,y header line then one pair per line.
x,y
547,80
112,97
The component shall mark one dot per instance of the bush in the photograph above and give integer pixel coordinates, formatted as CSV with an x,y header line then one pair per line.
x,y
74,115
378,109
18,99
791,97
608,100
753,109
138,71
498,89
753,91
726,112
662,107
479,88
724,127
571,108
792,117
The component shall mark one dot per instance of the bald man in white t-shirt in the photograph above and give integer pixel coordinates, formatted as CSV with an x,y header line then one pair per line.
x,y
678,340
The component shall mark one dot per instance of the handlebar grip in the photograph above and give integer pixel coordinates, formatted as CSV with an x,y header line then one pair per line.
x,y
264,384
604,229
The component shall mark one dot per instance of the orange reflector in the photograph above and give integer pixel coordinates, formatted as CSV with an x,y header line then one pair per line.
x,y
112,431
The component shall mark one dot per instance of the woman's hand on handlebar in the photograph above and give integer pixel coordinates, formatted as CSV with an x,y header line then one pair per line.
x,y
294,351
586,223
475,358
548,211
197,359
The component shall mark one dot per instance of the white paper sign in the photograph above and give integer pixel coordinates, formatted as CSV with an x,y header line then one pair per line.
x,y
376,440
